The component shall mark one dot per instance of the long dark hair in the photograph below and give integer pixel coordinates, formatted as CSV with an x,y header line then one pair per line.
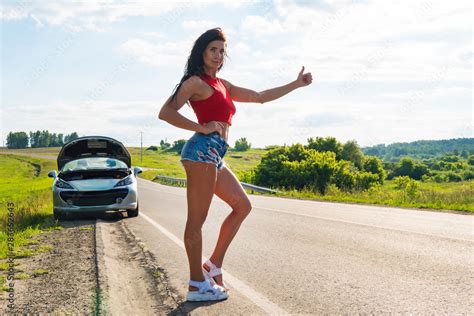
x,y
195,64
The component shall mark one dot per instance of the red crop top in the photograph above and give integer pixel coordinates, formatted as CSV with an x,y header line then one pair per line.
x,y
218,107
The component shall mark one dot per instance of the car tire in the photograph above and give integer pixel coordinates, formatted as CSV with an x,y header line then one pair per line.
x,y
133,213
58,215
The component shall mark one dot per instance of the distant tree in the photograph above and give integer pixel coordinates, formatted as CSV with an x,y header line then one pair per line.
x,y
242,144
164,145
374,165
35,139
178,145
56,140
326,144
422,148
453,177
409,167
70,137
60,139
352,152
468,175
470,160
17,140
45,139
154,148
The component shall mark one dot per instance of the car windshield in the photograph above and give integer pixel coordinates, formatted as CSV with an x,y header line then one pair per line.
x,y
93,163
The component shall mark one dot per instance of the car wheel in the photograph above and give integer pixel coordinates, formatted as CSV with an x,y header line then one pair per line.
x,y
133,213
58,215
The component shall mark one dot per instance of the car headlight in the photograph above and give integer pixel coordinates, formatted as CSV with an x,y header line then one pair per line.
x,y
127,181
63,185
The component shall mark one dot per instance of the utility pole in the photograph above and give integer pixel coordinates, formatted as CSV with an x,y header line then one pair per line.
x,y
141,148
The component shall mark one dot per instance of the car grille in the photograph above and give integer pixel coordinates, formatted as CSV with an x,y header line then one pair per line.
x,y
93,198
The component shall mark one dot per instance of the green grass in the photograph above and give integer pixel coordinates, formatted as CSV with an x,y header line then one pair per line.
x,y
40,271
167,164
30,193
448,196
21,276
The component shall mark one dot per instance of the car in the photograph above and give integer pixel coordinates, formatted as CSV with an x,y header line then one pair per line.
x,y
94,175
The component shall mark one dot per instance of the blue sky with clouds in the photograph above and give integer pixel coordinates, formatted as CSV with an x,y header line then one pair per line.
x,y
383,71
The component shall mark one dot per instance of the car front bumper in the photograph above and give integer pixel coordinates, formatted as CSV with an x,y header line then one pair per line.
x,y
92,201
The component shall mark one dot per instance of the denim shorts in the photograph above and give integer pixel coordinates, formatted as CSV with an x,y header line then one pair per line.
x,y
209,148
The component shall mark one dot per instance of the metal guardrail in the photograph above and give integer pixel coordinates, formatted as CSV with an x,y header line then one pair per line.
x,y
182,182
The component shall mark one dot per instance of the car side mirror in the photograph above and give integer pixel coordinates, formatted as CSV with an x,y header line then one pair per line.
x,y
137,170
52,174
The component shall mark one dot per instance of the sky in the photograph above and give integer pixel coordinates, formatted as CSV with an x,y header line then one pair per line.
x,y
383,71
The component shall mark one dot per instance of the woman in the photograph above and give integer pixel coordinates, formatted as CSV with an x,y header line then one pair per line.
x,y
202,155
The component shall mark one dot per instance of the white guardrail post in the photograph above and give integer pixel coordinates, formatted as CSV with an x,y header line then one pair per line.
x,y
182,182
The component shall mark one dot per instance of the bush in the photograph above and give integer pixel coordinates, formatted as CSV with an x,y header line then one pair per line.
x,y
470,160
365,180
344,179
453,177
326,144
374,165
401,182
154,148
425,178
412,189
439,178
468,175
296,167
409,167
246,176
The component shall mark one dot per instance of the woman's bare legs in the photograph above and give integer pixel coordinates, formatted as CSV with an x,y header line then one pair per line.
x,y
201,183
229,189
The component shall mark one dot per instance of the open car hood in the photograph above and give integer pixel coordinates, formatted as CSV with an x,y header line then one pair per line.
x,y
93,146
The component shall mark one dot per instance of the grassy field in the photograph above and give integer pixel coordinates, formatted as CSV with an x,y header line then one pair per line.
x,y
448,196
24,182
167,164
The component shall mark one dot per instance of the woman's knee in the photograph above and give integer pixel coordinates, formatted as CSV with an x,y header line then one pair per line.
x,y
244,207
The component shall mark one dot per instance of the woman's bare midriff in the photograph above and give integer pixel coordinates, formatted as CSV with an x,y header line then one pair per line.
x,y
225,131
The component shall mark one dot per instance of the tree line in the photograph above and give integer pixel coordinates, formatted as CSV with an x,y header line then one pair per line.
x,y
421,149
17,140
241,144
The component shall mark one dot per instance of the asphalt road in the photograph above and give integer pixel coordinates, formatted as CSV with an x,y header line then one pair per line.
x,y
294,256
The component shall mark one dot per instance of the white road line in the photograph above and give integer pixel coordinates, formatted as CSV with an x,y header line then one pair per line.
x,y
257,298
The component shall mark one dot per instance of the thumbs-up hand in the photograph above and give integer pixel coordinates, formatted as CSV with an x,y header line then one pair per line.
x,y
304,79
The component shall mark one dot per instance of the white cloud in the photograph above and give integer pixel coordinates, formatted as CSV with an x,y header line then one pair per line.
x,y
94,15
198,24
366,41
160,54
260,26
400,54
